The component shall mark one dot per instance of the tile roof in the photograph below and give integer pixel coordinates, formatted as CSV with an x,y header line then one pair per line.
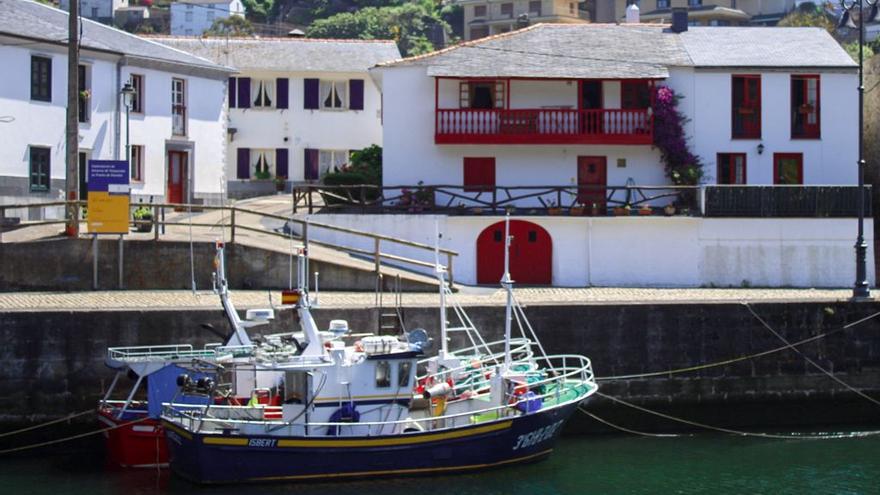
x,y
288,54
28,19
629,51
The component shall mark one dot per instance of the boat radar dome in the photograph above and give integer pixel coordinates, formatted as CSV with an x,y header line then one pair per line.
x,y
263,315
338,327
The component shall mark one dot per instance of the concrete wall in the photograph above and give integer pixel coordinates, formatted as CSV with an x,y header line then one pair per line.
x,y
649,252
52,362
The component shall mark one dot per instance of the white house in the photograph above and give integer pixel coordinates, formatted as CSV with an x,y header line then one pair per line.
x,y
177,122
194,17
97,10
298,106
555,121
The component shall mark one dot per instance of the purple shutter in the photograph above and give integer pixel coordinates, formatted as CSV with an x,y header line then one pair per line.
x,y
244,92
244,163
311,168
232,92
282,91
356,98
310,90
281,162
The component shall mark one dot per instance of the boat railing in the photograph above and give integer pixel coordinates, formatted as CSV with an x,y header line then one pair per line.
x,y
568,370
158,353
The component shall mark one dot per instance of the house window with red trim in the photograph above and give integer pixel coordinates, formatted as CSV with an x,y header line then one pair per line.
x,y
788,168
507,10
479,174
805,107
731,168
484,95
479,11
635,94
746,107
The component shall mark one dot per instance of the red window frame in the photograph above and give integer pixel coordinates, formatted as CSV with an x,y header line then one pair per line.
x,y
629,94
479,174
729,160
479,11
777,157
750,126
798,108
499,92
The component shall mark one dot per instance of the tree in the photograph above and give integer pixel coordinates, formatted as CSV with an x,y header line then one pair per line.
x,y
231,26
259,9
810,15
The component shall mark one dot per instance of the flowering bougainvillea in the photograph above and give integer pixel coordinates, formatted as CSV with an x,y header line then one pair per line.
x,y
683,168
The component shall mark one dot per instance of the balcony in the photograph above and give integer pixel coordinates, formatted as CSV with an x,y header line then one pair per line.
x,y
543,126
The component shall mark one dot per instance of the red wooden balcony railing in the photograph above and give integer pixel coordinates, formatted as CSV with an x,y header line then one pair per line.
x,y
543,126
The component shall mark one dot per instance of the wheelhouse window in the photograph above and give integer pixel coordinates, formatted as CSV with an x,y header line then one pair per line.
x,y
403,372
85,93
137,163
805,107
383,374
788,168
178,107
334,95
746,107
137,102
264,93
635,94
731,168
39,168
479,174
41,78
507,10
484,95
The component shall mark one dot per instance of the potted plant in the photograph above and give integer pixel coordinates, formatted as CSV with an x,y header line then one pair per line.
x,y
143,219
477,210
622,211
595,210
261,174
577,210
645,210
553,208
280,182
669,210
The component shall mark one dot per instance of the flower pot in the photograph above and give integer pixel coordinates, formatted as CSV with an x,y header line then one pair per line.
x,y
554,211
144,224
576,211
644,212
621,211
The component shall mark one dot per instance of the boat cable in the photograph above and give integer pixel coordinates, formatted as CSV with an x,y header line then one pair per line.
x,y
777,436
726,362
627,430
47,423
807,358
73,437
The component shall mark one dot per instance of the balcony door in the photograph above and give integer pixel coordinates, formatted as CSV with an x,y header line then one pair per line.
x,y
591,99
177,174
592,180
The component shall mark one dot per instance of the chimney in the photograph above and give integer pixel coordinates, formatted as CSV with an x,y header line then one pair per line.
x,y
632,14
679,19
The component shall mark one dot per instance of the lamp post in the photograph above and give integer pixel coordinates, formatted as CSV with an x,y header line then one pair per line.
x,y
860,289
128,94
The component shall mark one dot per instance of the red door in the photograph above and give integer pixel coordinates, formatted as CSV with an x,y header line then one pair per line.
x,y
592,171
177,161
531,254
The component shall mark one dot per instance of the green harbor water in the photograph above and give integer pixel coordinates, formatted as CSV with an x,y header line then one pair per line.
x,y
599,464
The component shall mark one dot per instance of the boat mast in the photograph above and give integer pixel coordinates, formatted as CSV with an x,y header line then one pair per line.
x,y
441,282
507,283
221,286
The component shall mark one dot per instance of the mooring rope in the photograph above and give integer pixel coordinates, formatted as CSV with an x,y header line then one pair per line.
x,y
47,423
73,437
808,359
627,430
794,436
740,358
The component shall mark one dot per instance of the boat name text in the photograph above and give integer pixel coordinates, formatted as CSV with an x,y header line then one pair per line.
x,y
536,436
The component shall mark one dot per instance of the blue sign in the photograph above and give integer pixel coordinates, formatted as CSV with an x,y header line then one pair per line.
x,y
110,176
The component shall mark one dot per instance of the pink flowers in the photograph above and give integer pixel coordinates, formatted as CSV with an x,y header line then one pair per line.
x,y
682,166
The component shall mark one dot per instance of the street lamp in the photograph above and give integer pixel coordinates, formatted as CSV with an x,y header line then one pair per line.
x,y
860,289
128,94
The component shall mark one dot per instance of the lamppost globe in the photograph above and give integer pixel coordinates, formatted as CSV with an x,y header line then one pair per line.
x,y
127,92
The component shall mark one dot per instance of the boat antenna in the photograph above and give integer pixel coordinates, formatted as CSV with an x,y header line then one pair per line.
x,y
507,283
440,270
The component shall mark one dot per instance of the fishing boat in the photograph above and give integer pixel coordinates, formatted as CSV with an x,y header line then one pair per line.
x,y
358,408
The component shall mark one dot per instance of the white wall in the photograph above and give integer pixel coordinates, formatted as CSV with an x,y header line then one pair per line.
x,y
316,129
96,9
201,16
643,252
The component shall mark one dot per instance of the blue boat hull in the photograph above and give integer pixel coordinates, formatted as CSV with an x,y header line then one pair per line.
x,y
231,459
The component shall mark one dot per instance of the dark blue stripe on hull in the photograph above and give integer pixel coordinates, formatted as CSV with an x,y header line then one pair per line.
x,y
527,438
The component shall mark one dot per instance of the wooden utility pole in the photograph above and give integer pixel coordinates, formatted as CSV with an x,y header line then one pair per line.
x,y
72,175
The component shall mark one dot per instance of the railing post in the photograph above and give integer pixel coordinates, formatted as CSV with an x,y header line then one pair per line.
x,y
309,198
155,223
232,226
449,269
376,253
703,206
2,221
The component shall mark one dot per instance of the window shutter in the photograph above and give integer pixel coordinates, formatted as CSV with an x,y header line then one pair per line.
x,y
282,92
232,92
311,164
356,98
310,90
479,174
244,92
281,162
244,163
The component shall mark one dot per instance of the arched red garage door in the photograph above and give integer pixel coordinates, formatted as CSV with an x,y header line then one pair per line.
x,y
531,254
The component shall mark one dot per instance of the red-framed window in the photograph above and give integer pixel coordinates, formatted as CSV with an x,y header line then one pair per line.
x,y
479,174
507,10
732,168
635,94
788,168
805,107
485,95
479,11
746,107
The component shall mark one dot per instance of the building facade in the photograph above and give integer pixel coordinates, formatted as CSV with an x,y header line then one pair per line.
x,y
706,12
97,10
298,107
194,17
177,124
484,18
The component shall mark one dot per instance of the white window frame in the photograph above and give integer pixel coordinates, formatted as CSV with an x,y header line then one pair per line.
x,y
268,157
265,100
332,161
178,98
137,158
140,92
334,86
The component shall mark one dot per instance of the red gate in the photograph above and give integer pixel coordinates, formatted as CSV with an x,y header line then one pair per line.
x,y
531,254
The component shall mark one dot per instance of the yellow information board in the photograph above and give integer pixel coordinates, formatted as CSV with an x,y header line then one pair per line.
x,y
109,203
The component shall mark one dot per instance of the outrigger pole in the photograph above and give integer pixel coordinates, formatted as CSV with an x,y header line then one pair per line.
x,y
507,283
441,279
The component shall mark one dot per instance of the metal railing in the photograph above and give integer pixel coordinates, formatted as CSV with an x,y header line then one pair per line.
x,y
231,222
785,201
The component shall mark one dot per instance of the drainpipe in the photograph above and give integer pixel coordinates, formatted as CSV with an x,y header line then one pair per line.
x,y
117,132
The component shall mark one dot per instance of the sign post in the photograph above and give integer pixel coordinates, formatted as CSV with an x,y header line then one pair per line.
x,y
109,205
